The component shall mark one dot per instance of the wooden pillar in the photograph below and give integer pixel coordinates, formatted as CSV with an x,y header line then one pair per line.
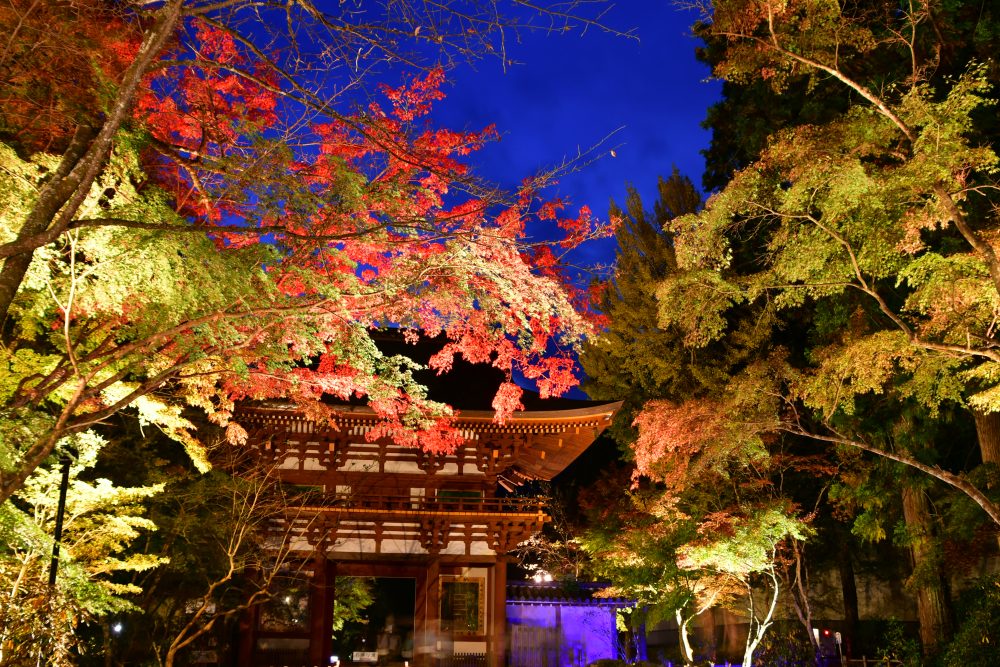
x,y
331,579
849,589
427,624
321,612
434,609
498,636
247,636
419,617
640,642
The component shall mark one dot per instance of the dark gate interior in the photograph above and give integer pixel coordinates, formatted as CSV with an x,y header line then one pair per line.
x,y
381,632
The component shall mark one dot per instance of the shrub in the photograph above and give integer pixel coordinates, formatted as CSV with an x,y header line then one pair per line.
x,y
977,638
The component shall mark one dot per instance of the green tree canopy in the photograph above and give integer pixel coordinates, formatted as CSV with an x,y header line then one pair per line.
x,y
869,233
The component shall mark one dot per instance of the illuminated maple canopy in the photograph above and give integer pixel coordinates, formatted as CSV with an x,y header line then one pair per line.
x,y
863,246
243,204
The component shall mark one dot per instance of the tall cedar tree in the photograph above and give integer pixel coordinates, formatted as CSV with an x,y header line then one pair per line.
x,y
634,359
749,112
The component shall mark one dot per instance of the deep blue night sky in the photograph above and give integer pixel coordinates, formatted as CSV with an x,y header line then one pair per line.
x,y
570,91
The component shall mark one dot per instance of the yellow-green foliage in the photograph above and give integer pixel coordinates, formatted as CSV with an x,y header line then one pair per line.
x,y
747,545
101,522
119,285
842,212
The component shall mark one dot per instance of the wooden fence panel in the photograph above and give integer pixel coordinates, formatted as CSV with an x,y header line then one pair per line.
x,y
532,646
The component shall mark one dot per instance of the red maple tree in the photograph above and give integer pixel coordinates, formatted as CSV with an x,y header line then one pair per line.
x,y
319,220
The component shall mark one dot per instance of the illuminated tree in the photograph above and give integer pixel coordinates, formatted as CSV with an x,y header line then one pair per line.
x,y
102,523
744,549
692,468
862,240
633,541
871,229
242,206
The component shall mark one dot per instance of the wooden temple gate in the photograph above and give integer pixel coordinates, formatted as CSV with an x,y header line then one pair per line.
x,y
377,509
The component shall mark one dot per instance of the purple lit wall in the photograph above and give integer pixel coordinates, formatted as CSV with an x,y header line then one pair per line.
x,y
563,634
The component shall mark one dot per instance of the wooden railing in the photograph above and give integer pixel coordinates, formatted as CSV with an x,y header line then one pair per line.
x,y
424,504
464,660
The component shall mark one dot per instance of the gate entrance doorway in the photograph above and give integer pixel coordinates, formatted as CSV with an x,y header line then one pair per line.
x,y
373,620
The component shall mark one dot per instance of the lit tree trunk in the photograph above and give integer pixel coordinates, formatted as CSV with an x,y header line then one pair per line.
x,y
845,563
62,195
760,624
988,433
931,590
798,586
682,630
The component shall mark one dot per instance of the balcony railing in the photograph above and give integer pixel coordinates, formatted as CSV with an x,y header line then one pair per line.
x,y
423,505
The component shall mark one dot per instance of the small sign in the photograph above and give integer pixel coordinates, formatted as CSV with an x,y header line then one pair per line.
x,y
365,656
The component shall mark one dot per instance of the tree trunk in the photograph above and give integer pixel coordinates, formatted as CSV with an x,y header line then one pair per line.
x,y
106,632
759,625
687,653
54,194
849,588
988,433
927,579
798,586
61,197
